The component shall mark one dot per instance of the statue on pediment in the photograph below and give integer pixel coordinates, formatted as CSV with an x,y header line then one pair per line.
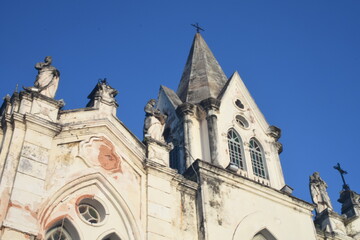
x,y
154,121
319,193
47,80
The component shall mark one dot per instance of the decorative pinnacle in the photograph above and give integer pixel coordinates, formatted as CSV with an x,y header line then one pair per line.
x,y
198,28
342,172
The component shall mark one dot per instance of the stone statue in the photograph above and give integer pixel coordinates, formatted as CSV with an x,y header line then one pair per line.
x,y
154,121
319,194
47,79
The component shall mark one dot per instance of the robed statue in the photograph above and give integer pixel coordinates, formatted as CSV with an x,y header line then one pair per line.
x,y
47,79
154,121
319,193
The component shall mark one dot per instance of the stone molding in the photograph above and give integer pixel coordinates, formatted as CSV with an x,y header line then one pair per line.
x,y
31,95
185,109
183,183
211,104
201,168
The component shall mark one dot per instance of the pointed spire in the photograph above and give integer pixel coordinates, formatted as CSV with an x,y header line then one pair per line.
x,y
202,77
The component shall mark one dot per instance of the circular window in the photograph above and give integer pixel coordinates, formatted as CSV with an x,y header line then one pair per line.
x,y
91,210
89,213
242,121
239,104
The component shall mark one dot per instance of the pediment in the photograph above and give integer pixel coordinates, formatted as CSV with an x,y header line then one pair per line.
x,y
236,94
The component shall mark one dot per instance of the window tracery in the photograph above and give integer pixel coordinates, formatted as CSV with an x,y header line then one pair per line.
x,y
235,149
91,210
58,233
257,159
89,213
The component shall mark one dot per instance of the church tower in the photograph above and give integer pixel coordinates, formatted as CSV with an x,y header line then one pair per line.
x,y
215,119
223,142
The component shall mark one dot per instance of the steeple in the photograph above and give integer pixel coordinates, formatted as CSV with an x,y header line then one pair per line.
x,y
202,77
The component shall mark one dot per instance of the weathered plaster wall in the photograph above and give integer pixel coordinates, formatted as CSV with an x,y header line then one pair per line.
x,y
171,205
238,208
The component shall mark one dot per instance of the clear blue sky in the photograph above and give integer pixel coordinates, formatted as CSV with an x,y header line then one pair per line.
x,y
299,59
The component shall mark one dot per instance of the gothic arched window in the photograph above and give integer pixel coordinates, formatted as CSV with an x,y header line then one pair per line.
x,y
62,230
264,235
257,159
58,233
235,149
259,237
112,236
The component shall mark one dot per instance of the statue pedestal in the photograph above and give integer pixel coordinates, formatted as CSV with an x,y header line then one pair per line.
x,y
32,102
331,222
158,151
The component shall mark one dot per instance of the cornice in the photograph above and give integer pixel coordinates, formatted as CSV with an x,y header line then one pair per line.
x,y
204,169
179,180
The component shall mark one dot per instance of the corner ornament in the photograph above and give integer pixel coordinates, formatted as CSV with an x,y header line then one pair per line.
x,y
47,80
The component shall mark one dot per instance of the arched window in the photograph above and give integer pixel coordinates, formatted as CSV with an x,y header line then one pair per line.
x,y
58,233
257,159
112,236
264,235
235,149
259,237
62,230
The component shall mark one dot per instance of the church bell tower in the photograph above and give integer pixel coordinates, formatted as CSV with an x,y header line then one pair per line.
x,y
214,118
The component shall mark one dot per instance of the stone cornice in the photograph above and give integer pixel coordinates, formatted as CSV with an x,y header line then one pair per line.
x,y
210,104
326,214
185,109
204,169
28,94
148,140
172,175
54,128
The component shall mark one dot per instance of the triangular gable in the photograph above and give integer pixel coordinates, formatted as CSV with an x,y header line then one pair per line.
x,y
235,86
170,96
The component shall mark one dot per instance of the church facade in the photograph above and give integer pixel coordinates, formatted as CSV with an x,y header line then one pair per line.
x,y
207,168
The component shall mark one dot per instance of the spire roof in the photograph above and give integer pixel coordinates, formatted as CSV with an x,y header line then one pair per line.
x,y
202,77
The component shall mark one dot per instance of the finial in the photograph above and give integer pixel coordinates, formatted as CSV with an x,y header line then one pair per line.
x,y
103,80
16,88
198,28
342,172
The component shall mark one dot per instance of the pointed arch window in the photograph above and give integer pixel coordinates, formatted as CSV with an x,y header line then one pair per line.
x,y
259,237
235,149
112,236
257,159
62,230
58,233
264,235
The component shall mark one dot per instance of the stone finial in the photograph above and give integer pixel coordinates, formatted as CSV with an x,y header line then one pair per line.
x,y
47,80
102,93
154,123
319,193
274,132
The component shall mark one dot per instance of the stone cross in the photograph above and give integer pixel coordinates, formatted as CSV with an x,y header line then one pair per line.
x,y
198,28
342,172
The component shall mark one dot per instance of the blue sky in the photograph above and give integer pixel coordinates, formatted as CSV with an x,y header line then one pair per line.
x,y
299,59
